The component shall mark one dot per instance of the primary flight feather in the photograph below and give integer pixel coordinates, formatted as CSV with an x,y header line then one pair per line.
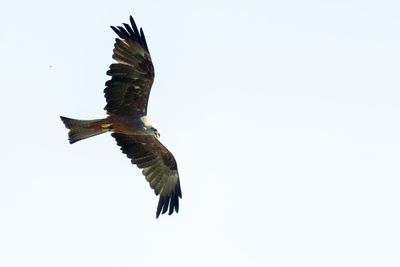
x,y
127,94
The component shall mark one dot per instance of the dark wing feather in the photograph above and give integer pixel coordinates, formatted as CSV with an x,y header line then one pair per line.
x,y
128,90
159,168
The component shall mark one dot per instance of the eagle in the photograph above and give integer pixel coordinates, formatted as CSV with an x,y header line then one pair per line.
x,y
127,95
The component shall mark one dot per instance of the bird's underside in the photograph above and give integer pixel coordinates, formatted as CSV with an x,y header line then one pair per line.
x,y
127,94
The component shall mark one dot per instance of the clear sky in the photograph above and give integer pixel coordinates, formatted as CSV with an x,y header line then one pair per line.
x,y
283,117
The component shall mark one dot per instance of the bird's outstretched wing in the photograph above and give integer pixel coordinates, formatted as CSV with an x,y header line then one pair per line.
x,y
159,168
128,90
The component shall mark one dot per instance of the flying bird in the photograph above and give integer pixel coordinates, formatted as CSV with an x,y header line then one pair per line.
x,y
127,95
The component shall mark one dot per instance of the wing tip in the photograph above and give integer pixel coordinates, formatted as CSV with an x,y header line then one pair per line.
x,y
131,32
169,203
115,30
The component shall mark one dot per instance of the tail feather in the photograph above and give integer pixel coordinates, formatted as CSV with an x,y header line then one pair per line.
x,y
82,129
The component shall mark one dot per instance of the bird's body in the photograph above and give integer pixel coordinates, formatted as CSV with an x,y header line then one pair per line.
x,y
128,125
127,94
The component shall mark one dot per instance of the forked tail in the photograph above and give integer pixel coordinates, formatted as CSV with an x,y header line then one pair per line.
x,y
82,129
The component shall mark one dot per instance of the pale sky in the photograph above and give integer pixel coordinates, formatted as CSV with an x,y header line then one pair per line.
x,y
283,117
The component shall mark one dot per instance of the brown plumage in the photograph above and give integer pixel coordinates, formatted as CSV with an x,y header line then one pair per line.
x,y
127,94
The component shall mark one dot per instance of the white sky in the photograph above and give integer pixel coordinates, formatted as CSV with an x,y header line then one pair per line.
x,y
283,116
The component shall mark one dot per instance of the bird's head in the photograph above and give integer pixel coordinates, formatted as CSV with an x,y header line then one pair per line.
x,y
153,131
150,129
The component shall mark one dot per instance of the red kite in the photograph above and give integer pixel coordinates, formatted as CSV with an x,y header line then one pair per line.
x,y
127,94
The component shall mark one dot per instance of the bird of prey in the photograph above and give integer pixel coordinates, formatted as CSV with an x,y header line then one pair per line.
x,y
127,94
